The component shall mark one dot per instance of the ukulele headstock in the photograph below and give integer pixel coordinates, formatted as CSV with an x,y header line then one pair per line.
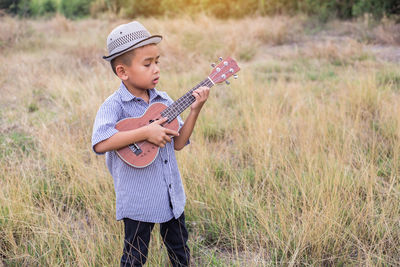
x,y
225,69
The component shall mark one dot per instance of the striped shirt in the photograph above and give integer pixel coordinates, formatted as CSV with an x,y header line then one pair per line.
x,y
151,194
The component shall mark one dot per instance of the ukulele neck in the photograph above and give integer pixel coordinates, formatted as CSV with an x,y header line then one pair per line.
x,y
184,101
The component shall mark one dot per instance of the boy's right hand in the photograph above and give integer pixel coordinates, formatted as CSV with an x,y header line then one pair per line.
x,y
159,135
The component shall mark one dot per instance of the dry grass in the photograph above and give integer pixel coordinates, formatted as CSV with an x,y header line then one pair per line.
x,y
388,32
295,163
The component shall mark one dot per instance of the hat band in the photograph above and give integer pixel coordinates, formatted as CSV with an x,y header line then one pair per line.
x,y
155,39
133,36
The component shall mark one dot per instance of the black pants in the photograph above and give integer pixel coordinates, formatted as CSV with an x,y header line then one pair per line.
x,y
137,238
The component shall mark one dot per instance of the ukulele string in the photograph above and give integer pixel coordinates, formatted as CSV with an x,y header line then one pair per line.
x,y
172,111
183,102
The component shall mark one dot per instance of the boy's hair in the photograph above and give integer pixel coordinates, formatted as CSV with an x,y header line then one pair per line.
x,y
125,58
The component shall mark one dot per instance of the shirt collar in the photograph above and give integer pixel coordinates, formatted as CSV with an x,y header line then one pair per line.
x,y
128,96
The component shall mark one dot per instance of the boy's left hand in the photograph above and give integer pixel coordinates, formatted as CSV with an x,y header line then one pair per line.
x,y
201,95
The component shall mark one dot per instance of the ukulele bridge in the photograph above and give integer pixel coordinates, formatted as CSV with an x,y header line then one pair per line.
x,y
135,149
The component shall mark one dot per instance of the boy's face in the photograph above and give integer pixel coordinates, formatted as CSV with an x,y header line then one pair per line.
x,y
143,72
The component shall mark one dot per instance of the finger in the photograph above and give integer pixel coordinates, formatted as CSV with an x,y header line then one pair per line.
x,y
160,121
161,143
199,90
167,139
196,94
207,91
171,132
200,95
203,91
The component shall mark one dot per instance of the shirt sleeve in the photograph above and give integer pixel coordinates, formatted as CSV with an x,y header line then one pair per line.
x,y
180,121
104,124
180,126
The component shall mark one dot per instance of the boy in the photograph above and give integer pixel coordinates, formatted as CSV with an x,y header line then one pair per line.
x,y
153,194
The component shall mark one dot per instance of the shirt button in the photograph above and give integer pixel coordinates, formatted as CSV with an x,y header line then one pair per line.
x,y
165,161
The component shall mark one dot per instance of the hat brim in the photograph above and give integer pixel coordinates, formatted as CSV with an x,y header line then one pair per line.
x,y
154,39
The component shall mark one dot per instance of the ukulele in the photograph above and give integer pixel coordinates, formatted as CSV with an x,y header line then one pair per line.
x,y
142,154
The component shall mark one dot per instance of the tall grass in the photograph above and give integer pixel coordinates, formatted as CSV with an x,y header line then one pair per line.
x,y
294,163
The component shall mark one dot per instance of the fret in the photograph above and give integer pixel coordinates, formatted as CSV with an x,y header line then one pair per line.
x,y
184,101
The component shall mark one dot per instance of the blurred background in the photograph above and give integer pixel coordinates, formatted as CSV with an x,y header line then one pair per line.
x,y
323,9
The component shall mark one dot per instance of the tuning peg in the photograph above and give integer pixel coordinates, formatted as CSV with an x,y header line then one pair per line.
x,y
220,58
213,65
227,82
235,76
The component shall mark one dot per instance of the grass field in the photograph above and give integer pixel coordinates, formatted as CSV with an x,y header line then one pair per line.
x,y
296,163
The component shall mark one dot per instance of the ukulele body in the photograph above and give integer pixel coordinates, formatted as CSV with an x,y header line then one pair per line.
x,y
147,152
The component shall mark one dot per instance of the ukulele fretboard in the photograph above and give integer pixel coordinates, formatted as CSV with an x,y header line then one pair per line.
x,y
183,102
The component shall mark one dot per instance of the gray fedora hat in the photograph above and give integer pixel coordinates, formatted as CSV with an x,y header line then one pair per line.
x,y
127,37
